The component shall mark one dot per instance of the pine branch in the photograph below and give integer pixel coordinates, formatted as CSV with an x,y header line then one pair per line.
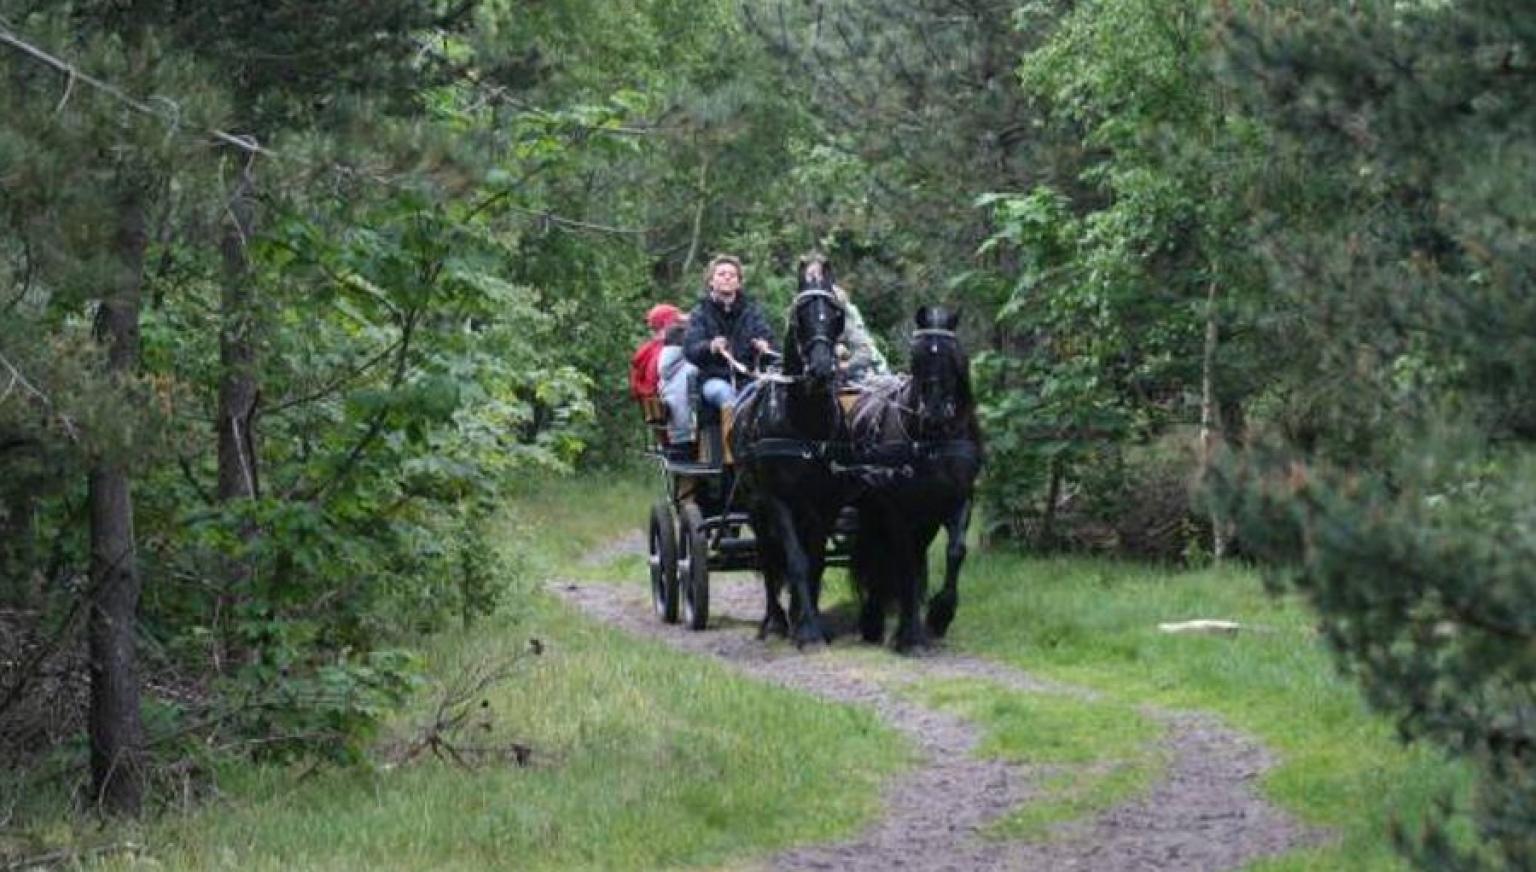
x,y
8,38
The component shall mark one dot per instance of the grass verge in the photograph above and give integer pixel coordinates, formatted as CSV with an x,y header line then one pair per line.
x,y
560,526
643,758
1094,623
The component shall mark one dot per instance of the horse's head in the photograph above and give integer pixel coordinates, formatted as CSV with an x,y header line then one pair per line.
x,y
815,323
940,369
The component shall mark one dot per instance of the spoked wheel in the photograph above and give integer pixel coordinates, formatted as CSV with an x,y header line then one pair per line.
x,y
662,534
693,568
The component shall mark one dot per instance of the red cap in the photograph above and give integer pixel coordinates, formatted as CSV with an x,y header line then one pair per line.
x,y
662,315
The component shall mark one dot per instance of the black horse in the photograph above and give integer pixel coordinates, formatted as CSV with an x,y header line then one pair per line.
x,y
920,433
779,438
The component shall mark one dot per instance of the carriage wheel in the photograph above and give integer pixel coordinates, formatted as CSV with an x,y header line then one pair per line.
x,y
662,535
693,568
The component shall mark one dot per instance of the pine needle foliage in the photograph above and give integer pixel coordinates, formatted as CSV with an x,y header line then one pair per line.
x,y
1401,502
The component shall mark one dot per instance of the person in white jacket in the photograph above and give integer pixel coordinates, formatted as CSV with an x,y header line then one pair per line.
x,y
675,372
858,355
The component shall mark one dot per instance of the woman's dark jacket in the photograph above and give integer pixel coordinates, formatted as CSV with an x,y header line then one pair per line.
x,y
740,325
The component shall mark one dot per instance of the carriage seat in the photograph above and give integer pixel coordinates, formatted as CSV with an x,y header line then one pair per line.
x,y
653,411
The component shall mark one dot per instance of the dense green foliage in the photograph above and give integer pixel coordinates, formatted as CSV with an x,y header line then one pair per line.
x,y
398,256
323,285
1402,505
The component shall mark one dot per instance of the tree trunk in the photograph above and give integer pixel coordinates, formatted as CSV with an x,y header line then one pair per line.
x,y
1052,497
115,726
237,354
698,220
235,423
1234,422
1210,418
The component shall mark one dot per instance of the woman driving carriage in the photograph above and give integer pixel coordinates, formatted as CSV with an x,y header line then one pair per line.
x,y
725,326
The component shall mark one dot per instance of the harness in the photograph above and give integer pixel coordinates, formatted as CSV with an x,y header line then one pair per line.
x,y
846,457
849,454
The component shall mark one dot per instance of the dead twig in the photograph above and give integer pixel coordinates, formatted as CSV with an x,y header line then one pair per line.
x,y
462,707
66,857
18,378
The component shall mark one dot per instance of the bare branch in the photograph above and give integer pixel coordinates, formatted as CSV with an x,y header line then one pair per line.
x,y
174,119
17,378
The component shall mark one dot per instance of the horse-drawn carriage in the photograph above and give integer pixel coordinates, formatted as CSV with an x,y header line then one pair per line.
x,y
806,474
700,524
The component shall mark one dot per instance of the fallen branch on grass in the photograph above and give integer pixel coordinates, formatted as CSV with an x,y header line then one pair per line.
x,y
64,857
462,708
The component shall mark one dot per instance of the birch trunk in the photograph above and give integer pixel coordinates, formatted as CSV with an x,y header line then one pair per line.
x,y
698,219
1210,417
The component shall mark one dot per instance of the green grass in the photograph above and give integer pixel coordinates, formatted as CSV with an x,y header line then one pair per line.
x,y
1106,749
642,757
555,523
1094,623
647,758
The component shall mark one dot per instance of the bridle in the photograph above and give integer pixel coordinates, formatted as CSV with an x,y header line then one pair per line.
x,y
803,299
917,338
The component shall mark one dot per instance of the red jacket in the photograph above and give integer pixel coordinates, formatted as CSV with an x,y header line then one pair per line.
x,y
642,369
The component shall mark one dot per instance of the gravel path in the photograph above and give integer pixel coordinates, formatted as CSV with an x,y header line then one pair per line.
x,y
1205,814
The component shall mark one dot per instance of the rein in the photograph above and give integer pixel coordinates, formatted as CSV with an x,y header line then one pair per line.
x,y
754,374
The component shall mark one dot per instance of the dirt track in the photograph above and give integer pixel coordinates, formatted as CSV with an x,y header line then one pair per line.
x,y
1204,814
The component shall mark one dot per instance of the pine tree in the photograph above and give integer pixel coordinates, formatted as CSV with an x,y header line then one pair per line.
x,y
1400,498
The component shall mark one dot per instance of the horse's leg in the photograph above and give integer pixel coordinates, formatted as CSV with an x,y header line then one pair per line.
x,y
775,622
804,624
912,584
941,609
815,542
770,561
872,569
872,588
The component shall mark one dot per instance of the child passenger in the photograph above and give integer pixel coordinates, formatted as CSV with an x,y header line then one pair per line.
x,y
643,376
675,373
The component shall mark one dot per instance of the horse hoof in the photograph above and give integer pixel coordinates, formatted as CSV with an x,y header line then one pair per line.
x,y
872,626
773,625
940,615
810,634
909,642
